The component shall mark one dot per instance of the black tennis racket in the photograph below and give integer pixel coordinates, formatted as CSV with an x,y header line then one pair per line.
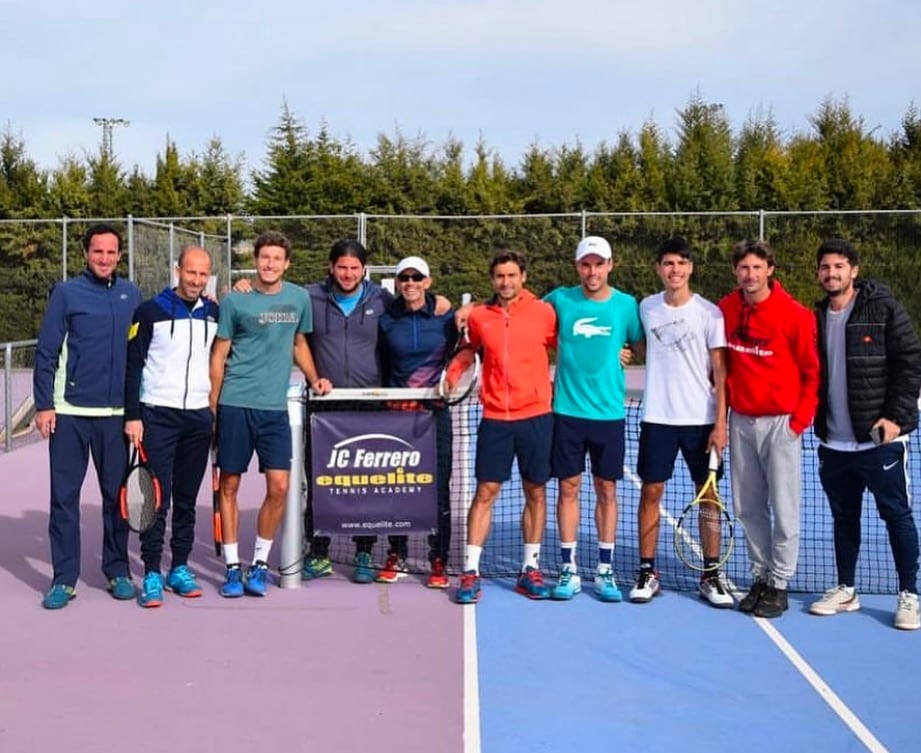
x,y
216,504
461,371
704,534
139,496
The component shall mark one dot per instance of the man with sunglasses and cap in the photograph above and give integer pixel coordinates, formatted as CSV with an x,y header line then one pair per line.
x,y
414,343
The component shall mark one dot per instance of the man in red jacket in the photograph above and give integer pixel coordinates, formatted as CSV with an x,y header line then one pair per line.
x,y
772,383
514,330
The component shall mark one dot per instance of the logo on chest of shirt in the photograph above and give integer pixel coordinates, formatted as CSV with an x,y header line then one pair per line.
x,y
585,328
674,334
284,315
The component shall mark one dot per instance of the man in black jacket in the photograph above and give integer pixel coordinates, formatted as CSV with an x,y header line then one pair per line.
x,y
868,405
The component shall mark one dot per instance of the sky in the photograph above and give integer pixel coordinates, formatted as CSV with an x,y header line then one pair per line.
x,y
510,72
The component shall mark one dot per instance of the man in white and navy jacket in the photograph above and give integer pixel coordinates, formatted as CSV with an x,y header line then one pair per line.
x,y
166,407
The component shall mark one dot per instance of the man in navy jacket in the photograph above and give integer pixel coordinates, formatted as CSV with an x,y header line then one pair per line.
x,y
79,389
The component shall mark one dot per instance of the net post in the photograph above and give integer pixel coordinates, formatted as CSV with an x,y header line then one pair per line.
x,y
292,526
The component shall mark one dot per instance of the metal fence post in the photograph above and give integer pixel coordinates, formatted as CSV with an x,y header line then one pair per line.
x,y
229,260
8,394
131,248
64,249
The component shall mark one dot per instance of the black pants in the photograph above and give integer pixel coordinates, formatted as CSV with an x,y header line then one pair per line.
x,y
883,470
177,443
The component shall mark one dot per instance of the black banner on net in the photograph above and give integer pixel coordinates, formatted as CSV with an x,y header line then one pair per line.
x,y
373,475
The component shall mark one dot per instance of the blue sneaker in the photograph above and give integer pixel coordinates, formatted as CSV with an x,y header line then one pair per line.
x,y
181,581
151,594
468,592
121,588
569,585
531,584
364,568
316,567
233,583
257,579
59,596
606,587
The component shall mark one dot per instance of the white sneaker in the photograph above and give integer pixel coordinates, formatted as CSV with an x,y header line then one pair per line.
x,y
646,586
907,613
712,590
606,586
836,600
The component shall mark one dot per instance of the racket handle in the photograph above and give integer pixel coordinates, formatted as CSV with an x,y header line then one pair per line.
x,y
714,459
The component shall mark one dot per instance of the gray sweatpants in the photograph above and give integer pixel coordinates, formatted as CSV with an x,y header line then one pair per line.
x,y
766,468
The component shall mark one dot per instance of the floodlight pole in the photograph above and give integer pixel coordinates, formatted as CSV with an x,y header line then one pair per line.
x,y
108,125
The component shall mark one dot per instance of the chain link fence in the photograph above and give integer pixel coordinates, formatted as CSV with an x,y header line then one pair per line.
x,y
35,254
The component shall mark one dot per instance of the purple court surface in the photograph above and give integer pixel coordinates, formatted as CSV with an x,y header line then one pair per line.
x,y
330,666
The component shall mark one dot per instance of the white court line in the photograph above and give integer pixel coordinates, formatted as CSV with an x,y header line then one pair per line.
x,y
850,719
471,683
822,688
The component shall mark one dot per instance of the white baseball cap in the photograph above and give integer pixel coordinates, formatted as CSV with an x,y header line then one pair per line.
x,y
593,244
412,262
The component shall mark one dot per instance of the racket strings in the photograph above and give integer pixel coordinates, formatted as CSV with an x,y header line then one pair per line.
x,y
459,376
141,499
704,536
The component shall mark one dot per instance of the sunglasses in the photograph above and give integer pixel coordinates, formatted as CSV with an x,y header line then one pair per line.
x,y
415,277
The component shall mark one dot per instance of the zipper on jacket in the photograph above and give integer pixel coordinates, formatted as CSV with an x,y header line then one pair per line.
x,y
508,364
188,363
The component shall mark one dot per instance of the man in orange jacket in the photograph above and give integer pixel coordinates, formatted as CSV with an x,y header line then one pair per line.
x,y
514,330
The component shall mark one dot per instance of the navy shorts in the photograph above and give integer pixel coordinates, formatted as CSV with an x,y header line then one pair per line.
x,y
240,431
498,443
660,444
602,440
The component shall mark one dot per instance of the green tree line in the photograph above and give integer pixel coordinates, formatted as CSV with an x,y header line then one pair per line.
x,y
699,165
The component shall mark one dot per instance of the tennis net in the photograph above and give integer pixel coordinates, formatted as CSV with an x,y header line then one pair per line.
x,y
502,555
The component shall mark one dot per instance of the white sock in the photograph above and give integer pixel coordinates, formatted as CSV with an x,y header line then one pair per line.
x,y
472,558
262,549
531,557
231,554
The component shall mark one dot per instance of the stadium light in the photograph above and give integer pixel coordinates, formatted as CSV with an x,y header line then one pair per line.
x,y
108,125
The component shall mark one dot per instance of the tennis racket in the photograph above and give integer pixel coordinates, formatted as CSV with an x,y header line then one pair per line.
x,y
461,371
704,534
139,496
216,504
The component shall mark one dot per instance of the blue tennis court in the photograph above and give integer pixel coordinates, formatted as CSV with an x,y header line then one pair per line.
x,y
678,675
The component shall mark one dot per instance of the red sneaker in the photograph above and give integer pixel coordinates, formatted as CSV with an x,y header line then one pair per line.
x,y
438,578
394,569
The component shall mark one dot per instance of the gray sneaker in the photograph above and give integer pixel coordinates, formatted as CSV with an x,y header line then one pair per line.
x,y
836,600
907,613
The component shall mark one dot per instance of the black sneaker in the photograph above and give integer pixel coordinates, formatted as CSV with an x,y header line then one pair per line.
x,y
772,604
751,599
